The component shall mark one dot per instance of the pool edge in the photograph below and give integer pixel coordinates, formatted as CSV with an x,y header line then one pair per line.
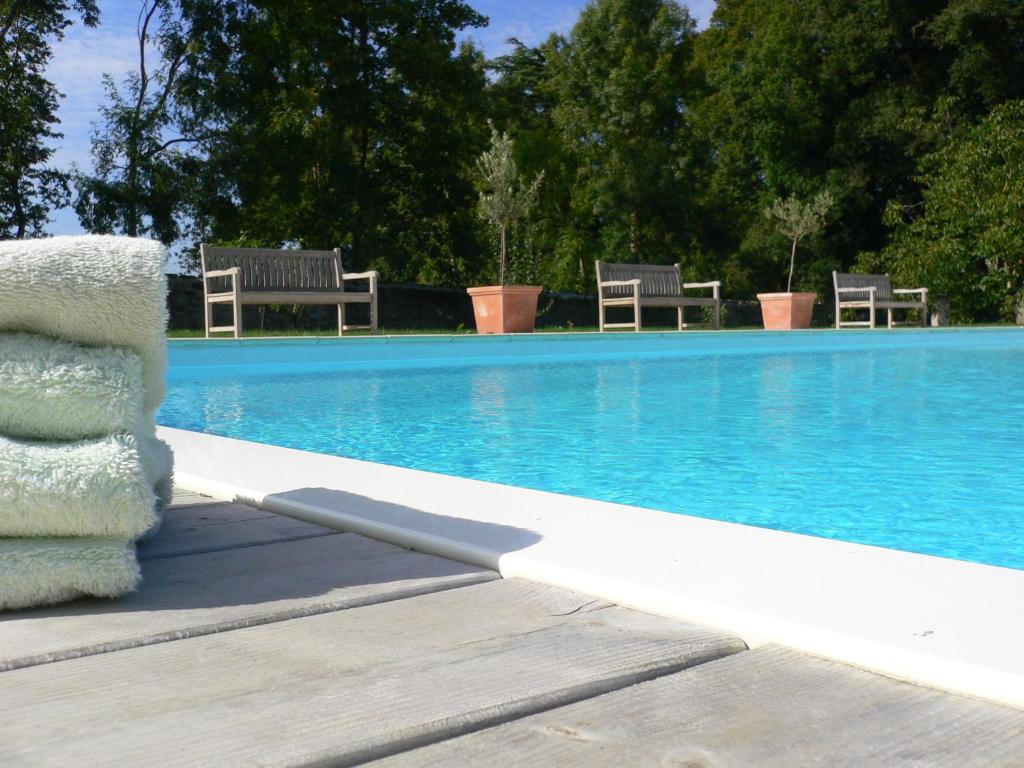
x,y
892,622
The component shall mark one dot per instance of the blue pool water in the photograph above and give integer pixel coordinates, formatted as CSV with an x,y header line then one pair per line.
x,y
907,439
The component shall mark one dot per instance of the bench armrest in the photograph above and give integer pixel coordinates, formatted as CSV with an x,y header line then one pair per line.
x,y
922,291
359,275
221,273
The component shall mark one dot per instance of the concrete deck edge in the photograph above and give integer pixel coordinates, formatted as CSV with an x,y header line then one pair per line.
x,y
948,624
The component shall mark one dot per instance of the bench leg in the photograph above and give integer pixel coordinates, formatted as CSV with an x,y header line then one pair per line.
x,y
236,309
890,319
679,311
718,316
924,315
209,317
871,316
374,330
839,316
600,315
636,314
341,319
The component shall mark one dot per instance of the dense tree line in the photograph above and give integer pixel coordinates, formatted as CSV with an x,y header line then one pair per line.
x,y
354,123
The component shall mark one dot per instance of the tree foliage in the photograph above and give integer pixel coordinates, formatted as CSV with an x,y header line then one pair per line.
x,y
968,242
339,123
621,82
797,219
843,94
331,123
140,182
504,199
29,188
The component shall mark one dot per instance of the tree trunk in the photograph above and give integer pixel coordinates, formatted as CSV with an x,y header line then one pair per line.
x,y
19,210
131,219
634,237
792,263
359,193
501,279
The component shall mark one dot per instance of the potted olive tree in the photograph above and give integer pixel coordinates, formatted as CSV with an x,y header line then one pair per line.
x,y
505,202
796,220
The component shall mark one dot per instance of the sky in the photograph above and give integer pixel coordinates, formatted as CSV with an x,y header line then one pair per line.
x,y
85,55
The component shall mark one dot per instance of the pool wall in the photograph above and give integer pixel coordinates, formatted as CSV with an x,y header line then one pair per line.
x,y
197,358
945,623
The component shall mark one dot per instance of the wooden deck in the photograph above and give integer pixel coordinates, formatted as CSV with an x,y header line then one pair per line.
x,y
261,640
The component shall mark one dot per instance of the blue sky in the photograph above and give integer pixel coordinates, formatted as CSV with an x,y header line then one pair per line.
x,y
84,55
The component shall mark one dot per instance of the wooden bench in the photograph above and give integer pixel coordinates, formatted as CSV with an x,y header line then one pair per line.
x,y
238,276
650,285
874,292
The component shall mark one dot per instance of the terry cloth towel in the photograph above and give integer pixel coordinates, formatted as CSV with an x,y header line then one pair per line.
x,y
101,487
98,290
44,571
55,390
158,461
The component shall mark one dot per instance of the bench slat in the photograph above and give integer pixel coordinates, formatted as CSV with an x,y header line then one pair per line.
x,y
659,286
879,297
881,284
271,276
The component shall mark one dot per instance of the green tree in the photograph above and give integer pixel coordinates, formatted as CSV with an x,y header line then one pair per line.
x,y
521,100
622,110
339,123
852,93
29,189
796,219
140,182
968,240
504,200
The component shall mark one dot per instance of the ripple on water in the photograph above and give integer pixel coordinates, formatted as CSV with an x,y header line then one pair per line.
x,y
919,450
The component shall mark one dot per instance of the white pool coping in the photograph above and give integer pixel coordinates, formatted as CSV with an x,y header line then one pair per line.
x,y
945,623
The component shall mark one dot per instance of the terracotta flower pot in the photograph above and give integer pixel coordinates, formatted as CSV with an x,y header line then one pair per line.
x,y
786,311
505,308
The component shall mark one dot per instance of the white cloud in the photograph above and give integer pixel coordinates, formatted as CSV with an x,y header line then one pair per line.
x,y
701,10
77,68
531,22
79,62
534,20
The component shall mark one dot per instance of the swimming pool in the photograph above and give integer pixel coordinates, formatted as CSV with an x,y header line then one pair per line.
x,y
908,440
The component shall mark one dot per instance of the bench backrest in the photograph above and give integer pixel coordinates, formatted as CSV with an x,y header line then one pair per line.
x,y
883,288
655,279
272,269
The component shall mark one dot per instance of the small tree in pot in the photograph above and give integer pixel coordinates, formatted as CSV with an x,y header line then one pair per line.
x,y
505,201
796,220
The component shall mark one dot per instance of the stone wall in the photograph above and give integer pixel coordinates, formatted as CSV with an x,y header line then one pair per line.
x,y
422,307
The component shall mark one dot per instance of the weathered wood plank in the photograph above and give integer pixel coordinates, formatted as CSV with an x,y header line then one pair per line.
x,y
212,527
342,687
185,498
195,595
768,707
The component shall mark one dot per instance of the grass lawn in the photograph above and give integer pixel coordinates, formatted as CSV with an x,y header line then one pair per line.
x,y
198,333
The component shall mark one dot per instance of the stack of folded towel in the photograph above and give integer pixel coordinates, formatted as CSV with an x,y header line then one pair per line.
x,y
82,372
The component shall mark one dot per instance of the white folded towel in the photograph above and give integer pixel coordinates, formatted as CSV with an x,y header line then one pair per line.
x,y
98,290
43,571
158,461
55,390
99,487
